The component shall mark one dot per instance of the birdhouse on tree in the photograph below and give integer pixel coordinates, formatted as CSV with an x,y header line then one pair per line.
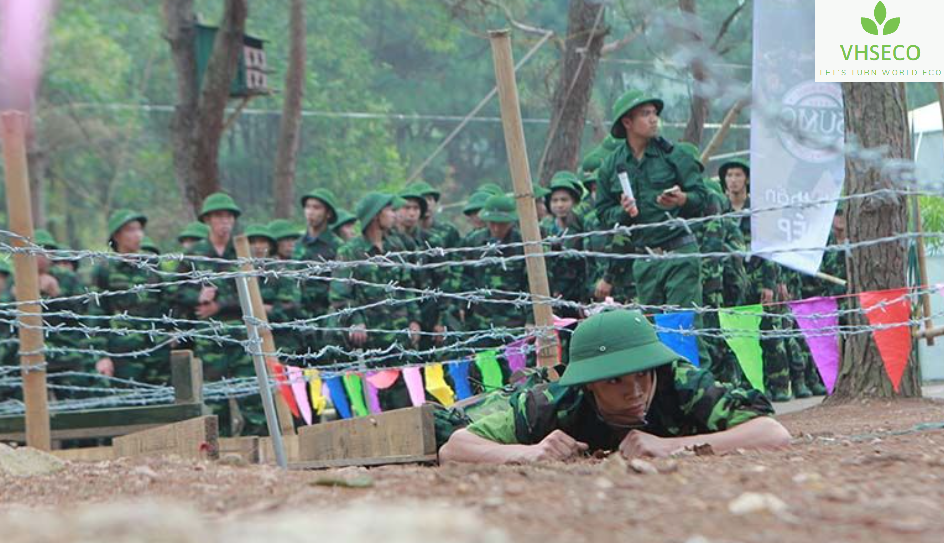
x,y
251,78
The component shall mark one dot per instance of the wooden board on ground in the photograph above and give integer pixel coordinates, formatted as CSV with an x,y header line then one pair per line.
x,y
267,451
104,422
394,437
195,438
85,454
247,447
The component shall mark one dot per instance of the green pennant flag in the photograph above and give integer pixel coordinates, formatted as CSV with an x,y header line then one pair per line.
x,y
487,363
741,328
355,394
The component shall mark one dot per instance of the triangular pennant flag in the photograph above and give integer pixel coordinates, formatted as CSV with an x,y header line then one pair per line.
x,y
373,396
355,394
888,308
459,372
383,379
338,397
414,384
298,390
315,389
514,355
741,328
685,345
487,361
437,386
281,381
819,320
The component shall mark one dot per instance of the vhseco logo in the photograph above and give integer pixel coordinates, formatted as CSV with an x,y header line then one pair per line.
x,y
884,51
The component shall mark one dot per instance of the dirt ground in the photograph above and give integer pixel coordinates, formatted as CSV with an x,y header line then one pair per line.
x,y
856,472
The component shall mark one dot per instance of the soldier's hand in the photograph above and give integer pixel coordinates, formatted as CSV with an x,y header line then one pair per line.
x,y
207,309
637,444
602,290
207,294
415,333
358,335
672,199
49,285
629,206
766,296
105,366
556,446
783,292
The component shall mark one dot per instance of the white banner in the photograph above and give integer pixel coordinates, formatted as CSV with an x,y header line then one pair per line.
x,y
797,133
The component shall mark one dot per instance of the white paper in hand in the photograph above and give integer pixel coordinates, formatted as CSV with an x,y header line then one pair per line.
x,y
624,182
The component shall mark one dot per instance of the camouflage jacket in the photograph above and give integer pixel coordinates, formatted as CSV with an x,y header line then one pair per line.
x,y
508,275
567,273
113,275
313,297
187,295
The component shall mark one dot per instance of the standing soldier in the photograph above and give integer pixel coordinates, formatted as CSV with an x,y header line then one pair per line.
x,y
441,235
472,208
125,237
280,294
192,234
319,245
567,273
665,185
345,226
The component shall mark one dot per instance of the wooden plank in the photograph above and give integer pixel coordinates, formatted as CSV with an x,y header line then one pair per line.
x,y
86,454
195,438
385,461
384,438
77,424
186,377
267,452
247,447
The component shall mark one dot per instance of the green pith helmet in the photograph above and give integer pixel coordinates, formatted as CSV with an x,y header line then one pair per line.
x,y
692,150
475,202
327,198
5,267
258,231
611,344
592,161
609,144
371,205
219,201
540,192
283,228
625,104
589,178
45,240
122,217
344,217
148,246
499,208
194,230
733,163
714,186
564,180
413,192
490,188
425,189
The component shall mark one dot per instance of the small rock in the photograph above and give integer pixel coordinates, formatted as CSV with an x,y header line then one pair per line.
x,y
144,471
641,466
614,466
233,459
27,461
357,481
753,502
603,483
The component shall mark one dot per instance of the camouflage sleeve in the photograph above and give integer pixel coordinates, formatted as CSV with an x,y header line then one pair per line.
x,y
187,294
607,203
691,182
530,415
498,427
712,406
342,293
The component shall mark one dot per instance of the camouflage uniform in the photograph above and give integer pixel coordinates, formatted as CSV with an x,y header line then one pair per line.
x,y
314,291
510,276
69,285
567,274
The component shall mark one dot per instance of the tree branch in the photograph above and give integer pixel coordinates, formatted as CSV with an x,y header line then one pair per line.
x,y
726,25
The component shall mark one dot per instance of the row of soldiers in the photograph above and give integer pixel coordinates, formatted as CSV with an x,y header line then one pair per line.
x,y
395,281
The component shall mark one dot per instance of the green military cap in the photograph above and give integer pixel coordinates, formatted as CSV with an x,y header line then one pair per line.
x,y
326,197
259,231
476,202
733,163
344,217
219,201
612,344
499,208
540,192
45,240
714,186
194,230
5,267
588,178
425,189
412,192
609,144
490,188
629,100
371,205
592,161
284,228
122,217
692,150
148,245
564,180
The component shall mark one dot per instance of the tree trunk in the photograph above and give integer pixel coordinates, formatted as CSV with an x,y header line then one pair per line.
x,y
286,157
876,114
695,128
573,92
197,125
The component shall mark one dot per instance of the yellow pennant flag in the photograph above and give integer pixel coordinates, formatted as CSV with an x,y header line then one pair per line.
x,y
318,401
437,386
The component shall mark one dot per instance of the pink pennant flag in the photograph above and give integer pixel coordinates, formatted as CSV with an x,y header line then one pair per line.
x,y
383,379
514,355
414,384
889,308
373,397
819,322
297,379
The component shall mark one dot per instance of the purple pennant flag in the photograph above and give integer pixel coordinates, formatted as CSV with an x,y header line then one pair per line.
x,y
819,322
373,396
514,355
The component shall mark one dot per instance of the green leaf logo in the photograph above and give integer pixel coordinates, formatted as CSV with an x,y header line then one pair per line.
x,y
871,26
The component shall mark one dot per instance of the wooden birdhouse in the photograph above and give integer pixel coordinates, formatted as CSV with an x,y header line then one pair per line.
x,y
251,78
